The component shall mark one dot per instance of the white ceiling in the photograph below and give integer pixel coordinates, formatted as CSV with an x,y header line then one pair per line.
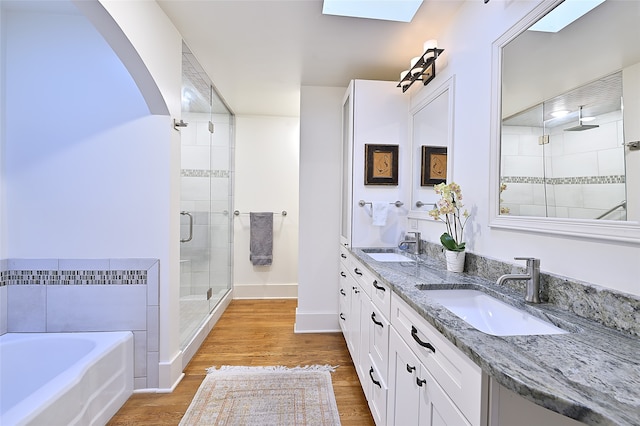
x,y
259,52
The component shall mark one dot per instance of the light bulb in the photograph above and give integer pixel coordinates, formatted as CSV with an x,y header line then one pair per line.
x,y
429,44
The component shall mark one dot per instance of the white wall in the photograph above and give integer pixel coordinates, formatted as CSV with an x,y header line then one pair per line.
x,y
266,179
320,153
3,224
159,45
468,45
75,145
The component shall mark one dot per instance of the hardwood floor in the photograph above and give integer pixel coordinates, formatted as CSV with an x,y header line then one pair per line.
x,y
255,333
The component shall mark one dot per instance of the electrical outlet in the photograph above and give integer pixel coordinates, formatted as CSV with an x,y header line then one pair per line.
x,y
413,224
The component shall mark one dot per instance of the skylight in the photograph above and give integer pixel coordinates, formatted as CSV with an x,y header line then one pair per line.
x,y
387,10
564,14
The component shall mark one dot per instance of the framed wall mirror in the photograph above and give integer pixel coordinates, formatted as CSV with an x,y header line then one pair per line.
x,y
431,131
564,132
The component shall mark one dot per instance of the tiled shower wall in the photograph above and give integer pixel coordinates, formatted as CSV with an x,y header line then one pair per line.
x,y
76,295
576,175
206,173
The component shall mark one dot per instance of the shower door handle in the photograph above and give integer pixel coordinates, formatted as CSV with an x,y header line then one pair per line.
x,y
190,227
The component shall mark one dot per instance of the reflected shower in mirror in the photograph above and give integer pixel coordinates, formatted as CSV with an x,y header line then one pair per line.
x,y
565,156
562,140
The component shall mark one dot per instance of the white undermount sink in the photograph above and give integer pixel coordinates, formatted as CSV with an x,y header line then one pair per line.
x,y
491,315
390,257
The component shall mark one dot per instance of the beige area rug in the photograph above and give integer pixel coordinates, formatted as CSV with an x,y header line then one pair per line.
x,y
264,396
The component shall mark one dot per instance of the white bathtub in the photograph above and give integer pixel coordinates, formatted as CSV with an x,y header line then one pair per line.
x,y
60,379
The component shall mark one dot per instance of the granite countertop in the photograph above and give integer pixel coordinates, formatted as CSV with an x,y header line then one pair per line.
x,y
591,374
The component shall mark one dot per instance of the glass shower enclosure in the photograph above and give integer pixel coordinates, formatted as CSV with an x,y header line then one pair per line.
x,y
206,198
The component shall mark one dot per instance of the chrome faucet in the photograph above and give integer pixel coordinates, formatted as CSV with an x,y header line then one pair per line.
x,y
417,243
532,277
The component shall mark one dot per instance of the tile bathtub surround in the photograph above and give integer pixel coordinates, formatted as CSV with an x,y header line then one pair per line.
x,y
74,295
611,308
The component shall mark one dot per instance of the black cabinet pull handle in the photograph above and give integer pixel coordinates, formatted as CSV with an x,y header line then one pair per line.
x,y
342,317
342,292
376,322
420,381
342,255
414,334
342,274
357,271
355,290
410,368
377,286
375,382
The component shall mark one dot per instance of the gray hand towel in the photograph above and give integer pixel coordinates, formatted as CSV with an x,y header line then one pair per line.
x,y
261,238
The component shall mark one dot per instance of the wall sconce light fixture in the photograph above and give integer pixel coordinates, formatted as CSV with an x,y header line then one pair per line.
x,y
423,68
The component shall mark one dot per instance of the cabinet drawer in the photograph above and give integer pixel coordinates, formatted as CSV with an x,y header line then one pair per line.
x,y
362,275
380,295
344,255
461,379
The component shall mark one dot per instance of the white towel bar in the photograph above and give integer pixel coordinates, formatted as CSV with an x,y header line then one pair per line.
x,y
237,213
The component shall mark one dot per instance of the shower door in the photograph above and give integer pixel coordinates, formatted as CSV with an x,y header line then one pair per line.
x,y
205,231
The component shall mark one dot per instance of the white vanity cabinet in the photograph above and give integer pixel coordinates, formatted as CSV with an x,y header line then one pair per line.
x,y
415,398
463,382
372,358
349,305
410,373
344,306
355,309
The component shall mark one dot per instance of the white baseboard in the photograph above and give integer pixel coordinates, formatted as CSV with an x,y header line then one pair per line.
x,y
316,322
265,291
170,373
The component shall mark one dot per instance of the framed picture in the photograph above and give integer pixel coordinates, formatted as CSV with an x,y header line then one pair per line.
x,y
380,164
434,165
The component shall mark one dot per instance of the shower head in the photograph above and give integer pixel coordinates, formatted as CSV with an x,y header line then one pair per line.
x,y
580,127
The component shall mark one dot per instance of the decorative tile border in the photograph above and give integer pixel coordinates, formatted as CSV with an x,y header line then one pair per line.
x,y
205,173
522,179
73,277
576,180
